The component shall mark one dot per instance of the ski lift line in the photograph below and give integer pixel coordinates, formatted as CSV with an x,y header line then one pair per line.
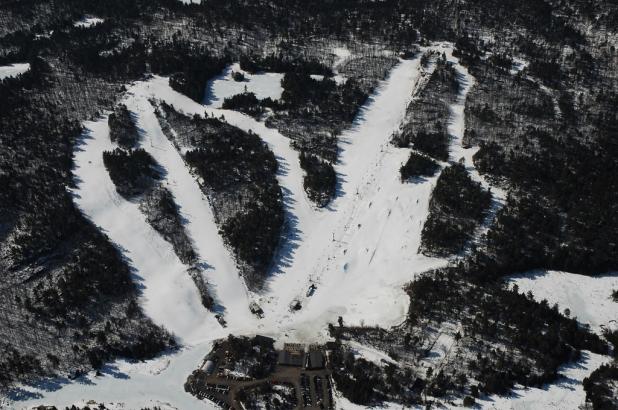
x,y
365,186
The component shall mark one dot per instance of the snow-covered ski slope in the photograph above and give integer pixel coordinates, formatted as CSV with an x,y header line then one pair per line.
x,y
168,295
13,70
359,251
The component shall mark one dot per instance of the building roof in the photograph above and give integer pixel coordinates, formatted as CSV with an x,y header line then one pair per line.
x,y
315,360
287,358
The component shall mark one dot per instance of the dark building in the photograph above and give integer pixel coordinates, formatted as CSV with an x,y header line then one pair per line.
x,y
314,360
291,358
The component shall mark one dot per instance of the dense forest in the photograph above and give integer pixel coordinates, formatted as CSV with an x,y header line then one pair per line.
x,y
133,172
425,125
457,206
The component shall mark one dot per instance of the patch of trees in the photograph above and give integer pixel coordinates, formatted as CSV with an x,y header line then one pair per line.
x,y
265,395
536,337
162,214
561,216
424,127
16,365
278,64
133,172
306,95
257,354
122,129
320,180
245,102
418,166
238,171
312,112
458,204
190,68
254,234
357,379
601,387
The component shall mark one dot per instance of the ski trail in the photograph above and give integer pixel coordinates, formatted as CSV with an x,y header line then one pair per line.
x,y
220,269
299,212
167,293
457,152
354,269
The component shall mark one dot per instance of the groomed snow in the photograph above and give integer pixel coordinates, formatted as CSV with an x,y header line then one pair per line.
x,y
167,294
263,85
13,70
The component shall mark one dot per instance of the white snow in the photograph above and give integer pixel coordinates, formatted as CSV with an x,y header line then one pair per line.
x,y
126,386
458,153
263,85
359,251
370,354
221,272
341,55
13,70
566,394
168,295
87,22
587,297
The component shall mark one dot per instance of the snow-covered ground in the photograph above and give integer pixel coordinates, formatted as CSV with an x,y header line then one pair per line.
x,y
13,70
587,297
263,85
88,22
566,394
220,272
168,295
359,251
458,152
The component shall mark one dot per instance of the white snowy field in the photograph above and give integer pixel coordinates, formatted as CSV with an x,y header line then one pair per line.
x,y
87,22
263,85
565,394
587,297
359,251
168,295
13,70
